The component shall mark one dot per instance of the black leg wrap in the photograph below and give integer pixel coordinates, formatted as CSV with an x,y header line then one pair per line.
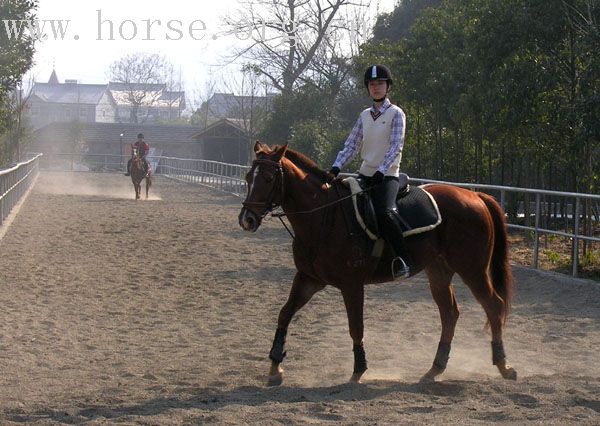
x,y
442,355
360,359
277,354
498,352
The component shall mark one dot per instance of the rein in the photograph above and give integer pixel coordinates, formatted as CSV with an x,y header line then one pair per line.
x,y
339,200
270,204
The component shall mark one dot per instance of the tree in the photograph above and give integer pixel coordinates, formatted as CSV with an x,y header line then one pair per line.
x,y
247,101
497,92
76,140
19,129
142,78
16,58
287,37
397,24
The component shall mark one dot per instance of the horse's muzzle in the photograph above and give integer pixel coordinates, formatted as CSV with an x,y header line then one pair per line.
x,y
249,221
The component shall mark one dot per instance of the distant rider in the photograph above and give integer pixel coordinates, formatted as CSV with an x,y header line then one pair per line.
x,y
142,148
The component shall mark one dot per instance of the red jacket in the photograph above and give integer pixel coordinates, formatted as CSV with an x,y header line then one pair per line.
x,y
139,144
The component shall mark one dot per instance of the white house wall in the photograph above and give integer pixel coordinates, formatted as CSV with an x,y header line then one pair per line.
x,y
105,110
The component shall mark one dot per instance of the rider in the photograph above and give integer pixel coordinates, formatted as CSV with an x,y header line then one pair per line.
x,y
379,136
142,148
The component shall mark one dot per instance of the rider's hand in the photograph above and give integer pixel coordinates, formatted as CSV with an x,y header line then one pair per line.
x,y
377,178
333,172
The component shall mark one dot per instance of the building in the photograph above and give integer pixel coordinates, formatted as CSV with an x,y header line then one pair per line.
x,y
225,141
150,103
115,139
228,105
55,102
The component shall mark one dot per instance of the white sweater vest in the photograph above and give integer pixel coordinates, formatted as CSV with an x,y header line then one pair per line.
x,y
376,141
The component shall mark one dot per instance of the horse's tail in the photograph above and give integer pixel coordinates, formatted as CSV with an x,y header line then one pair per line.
x,y
500,268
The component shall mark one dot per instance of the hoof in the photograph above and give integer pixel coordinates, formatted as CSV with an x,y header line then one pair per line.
x,y
356,377
275,380
430,376
275,375
507,371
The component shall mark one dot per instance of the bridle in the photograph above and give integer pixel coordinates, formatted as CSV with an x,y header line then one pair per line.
x,y
277,189
271,203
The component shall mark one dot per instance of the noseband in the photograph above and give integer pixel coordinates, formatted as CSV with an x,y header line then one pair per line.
x,y
277,188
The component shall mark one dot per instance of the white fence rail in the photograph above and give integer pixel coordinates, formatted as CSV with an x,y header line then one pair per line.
x,y
538,212
14,182
549,206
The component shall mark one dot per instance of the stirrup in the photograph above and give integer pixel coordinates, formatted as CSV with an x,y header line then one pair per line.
x,y
399,268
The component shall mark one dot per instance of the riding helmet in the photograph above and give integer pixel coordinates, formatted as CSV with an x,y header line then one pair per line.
x,y
378,72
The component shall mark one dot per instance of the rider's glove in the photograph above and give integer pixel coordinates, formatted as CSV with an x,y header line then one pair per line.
x,y
333,172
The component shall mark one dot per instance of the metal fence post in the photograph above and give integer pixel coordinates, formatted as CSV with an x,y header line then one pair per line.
x,y
536,242
575,257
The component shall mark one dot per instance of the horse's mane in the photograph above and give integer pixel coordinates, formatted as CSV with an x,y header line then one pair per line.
x,y
306,164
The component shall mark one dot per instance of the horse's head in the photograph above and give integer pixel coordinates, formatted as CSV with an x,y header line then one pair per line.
x,y
265,186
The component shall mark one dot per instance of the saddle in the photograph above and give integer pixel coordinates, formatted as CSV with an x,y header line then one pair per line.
x,y
417,208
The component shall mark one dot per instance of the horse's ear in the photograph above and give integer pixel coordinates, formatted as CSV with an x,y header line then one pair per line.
x,y
280,152
258,147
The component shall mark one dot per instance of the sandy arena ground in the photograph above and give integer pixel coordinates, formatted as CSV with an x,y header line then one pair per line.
x,y
162,312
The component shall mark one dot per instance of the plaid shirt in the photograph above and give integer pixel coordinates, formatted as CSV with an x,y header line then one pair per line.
x,y
354,142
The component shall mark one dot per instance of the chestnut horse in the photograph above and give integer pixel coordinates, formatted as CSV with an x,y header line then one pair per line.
x,y
470,241
138,175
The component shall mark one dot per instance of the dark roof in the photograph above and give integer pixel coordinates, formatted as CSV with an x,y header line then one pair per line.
x,y
69,93
109,133
114,85
171,96
225,104
222,122
53,78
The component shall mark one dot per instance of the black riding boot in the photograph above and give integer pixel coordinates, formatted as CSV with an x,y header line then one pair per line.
x,y
392,231
128,168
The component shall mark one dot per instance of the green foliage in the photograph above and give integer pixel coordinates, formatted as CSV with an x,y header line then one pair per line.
x,y
553,256
502,92
75,135
16,57
396,25
310,138
591,258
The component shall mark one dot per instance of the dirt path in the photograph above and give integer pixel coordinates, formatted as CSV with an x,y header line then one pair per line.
x,y
114,311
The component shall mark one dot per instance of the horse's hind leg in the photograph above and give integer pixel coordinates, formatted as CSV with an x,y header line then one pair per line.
x,y
303,289
354,300
440,283
480,284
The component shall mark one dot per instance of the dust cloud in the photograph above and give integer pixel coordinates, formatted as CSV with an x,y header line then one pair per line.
x,y
90,185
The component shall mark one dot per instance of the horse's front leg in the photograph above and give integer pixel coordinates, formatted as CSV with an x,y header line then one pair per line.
x,y
303,289
354,300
